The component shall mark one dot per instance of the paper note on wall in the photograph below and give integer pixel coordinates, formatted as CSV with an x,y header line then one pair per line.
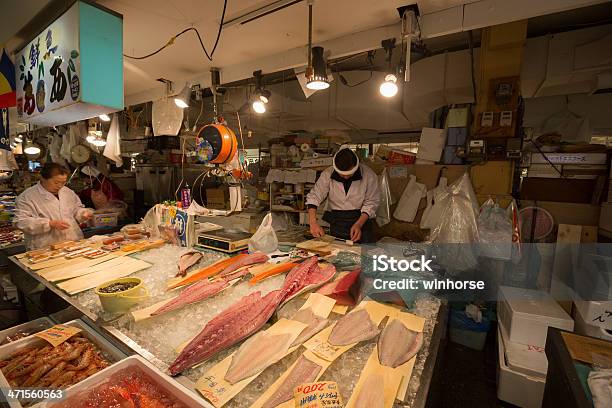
x,y
431,144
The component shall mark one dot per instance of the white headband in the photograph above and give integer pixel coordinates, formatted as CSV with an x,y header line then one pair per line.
x,y
348,172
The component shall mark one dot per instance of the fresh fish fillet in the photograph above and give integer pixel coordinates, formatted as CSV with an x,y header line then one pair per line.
x,y
187,260
371,394
254,258
304,277
235,323
353,328
340,290
256,354
192,294
315,324
398,344
304,371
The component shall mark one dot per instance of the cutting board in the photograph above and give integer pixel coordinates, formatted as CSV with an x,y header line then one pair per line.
x,y
316,246
85,269
90,281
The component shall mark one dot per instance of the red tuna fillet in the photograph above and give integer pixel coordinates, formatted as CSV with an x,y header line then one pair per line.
x,y
235,323
340,289
306,276
194,293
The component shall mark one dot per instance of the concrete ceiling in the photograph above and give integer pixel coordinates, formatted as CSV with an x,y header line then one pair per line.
x,y
15,14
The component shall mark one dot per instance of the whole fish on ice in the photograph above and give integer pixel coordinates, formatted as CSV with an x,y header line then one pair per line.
x,y
398,344
256,354
187,260
304,371
235,323
192,294
354,327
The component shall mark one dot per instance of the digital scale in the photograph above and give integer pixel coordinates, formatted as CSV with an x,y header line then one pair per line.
x,y
224,241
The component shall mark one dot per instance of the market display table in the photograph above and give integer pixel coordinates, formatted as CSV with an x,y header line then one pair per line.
x,y
157,339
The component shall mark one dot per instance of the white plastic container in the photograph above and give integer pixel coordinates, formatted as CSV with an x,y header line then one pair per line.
x,y
524,359
594,312
31,327
527,314
588,329
109,351
471,339
167,384
514,387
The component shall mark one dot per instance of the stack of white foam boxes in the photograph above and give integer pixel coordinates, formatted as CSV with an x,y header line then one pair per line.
x,y
524,316
593,318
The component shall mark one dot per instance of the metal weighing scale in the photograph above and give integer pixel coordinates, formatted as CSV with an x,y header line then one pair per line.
x,y
224,241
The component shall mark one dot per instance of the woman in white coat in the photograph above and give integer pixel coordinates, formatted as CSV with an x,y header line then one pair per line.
x,y
50,212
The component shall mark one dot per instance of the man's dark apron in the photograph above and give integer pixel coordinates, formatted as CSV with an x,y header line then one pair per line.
x,y
341,221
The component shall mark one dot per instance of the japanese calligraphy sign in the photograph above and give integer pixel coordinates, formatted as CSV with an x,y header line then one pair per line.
x,y
48,67
73,69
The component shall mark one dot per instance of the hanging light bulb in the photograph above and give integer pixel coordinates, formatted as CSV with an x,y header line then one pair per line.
x,y
31,148
104,117
99,142
259,106
183,98
389,88
19,138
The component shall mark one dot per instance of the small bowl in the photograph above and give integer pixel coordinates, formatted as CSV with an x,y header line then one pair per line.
x,y
122,302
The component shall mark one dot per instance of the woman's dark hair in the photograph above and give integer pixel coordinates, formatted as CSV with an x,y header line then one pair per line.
x,y
345,159
51,169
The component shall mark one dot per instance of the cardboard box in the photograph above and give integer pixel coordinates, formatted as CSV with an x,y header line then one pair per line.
x,y
514,387
559,190
493,177
527,314
594,312
217,198
401,157
568,158
583,326
605,217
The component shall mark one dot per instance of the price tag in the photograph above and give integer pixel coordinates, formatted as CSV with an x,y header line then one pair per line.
x,y
322,349
318,395
58,334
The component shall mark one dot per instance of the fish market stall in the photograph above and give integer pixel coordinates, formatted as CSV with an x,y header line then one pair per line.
x,y
159,326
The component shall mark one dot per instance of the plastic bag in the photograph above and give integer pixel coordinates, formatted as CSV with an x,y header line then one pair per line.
x,y
409,201
433,211
457,225
512,211
383,214
264,239
494,232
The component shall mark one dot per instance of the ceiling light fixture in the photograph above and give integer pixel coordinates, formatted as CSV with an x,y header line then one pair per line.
x,y
31,148
183,98
389,88
19,138
316,72
261,96
104,117
99,142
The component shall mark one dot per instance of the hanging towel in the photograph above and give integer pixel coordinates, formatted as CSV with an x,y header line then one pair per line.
x,y
113,143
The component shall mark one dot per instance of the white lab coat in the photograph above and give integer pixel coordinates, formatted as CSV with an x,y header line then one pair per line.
x,y
36,206
363,194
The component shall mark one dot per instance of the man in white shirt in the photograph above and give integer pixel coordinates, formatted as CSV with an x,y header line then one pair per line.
x,y
353,197
50,212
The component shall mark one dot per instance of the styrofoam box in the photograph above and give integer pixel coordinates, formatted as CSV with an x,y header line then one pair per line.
x,y
517,388
32,327
528,360
527,314
584,327
594,311
167,384
108,350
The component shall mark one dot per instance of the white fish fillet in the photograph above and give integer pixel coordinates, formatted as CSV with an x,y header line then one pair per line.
x,y
315,324
304,371
353,328
371,394
398,344
256,354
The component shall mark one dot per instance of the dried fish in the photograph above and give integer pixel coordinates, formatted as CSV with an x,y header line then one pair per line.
x,y
256,354
371,394
304,371
315,324
398,344
354,327
187,260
